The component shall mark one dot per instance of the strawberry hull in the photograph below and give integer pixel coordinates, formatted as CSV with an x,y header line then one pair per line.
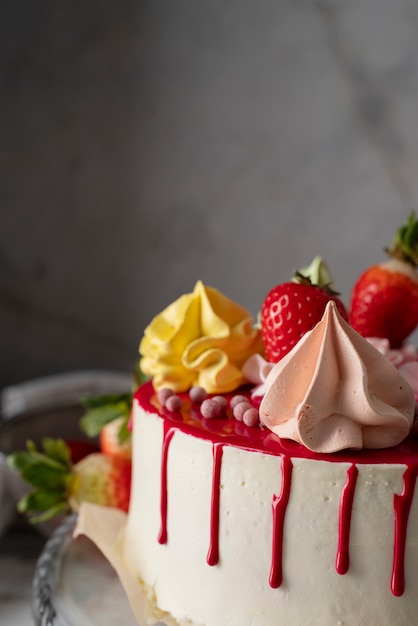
x,y
101,479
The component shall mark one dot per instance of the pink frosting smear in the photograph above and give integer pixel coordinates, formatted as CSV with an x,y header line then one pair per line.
x,y
336,391
404,358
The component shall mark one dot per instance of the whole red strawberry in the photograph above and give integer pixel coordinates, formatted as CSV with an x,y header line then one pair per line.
x,y
291,309
60,486
384,300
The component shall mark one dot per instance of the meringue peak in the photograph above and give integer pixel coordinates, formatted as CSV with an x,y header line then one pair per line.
x,y
335,391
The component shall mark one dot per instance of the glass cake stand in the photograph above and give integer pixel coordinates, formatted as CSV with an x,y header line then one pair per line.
x,y
74,585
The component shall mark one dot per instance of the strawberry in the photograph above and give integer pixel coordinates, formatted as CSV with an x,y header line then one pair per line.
x,y
80,448
108,417
384,299
60,485
112,441
291,309
101,479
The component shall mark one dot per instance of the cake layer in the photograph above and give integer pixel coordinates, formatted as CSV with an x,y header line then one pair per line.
x,y
231,525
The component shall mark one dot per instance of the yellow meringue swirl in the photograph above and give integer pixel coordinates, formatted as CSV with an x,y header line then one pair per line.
x,y
203,338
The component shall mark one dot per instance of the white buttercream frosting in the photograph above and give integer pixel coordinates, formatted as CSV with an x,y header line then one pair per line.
x,y
237,590
335,391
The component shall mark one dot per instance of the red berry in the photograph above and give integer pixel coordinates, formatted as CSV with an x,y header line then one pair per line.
x,y
288,312
60,486
80,448
384,302
110,441
101,479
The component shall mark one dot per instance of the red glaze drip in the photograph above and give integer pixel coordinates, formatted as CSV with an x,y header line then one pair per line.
x,y
228,431
168,435
279,505
213,552
402,506
344,522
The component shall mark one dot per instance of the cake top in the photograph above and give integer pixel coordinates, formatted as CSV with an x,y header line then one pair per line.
x,y
332,390
225,429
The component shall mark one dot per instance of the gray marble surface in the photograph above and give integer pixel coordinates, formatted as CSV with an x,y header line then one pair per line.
x,y
145,145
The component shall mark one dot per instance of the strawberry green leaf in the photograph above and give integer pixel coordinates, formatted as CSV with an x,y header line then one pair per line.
x,y
405,241
61,508
58,450
48,471
54,459
28,465
90,402
19,461
45,477
102,410
38,511
39,501
124,433
95,419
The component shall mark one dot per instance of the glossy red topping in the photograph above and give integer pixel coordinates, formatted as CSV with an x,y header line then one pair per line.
x,y
230,432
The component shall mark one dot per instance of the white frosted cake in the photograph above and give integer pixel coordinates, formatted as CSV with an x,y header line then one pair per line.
x,y
287,496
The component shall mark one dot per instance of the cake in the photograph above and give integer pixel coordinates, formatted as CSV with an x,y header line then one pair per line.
x,y
275,463
305,514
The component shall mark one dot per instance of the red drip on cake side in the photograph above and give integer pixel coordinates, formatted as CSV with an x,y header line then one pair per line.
x,y
228,431
402,506
168,435
213,552
344,521
278,506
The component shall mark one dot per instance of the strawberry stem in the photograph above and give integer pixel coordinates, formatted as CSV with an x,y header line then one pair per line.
x,y
49,473
404,244
317,274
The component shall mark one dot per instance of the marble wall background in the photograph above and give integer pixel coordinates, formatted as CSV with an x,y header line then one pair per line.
x,y
144,145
